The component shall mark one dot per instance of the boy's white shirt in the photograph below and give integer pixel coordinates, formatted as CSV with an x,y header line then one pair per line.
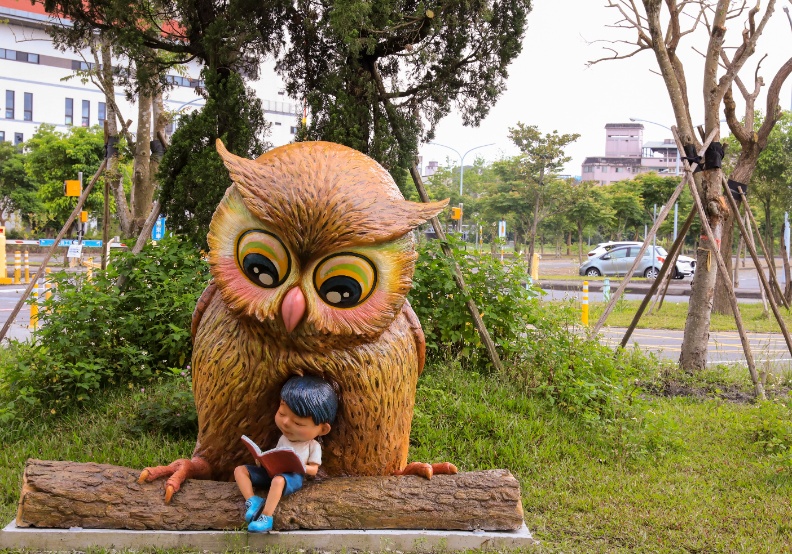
x,y
309,452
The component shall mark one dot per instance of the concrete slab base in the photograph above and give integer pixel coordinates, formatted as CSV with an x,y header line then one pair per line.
x,y
13,537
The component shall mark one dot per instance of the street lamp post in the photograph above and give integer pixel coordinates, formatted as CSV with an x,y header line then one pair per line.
x,y
676,211
461,168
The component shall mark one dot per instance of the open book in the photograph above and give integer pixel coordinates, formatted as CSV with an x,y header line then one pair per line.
x,y
277,460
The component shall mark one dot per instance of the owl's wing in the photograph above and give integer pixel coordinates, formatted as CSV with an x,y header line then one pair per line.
x,y
417,333
200,308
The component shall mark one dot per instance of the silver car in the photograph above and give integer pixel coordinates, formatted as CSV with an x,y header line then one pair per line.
x,y
619,260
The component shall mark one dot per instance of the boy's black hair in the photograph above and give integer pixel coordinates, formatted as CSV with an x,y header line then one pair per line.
x,y
309,396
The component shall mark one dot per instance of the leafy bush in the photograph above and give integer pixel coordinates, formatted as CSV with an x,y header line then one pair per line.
x,y
93,334
499,289
541,346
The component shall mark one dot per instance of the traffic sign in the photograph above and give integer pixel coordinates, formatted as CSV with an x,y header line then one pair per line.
x,y
75,250
158,231
68,242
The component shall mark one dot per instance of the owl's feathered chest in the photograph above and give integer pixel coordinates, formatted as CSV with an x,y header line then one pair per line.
x,y
239,369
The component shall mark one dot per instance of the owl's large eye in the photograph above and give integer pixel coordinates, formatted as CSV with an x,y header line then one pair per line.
x,y
345,280
263,258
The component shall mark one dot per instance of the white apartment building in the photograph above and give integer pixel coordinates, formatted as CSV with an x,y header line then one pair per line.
x,y
36,88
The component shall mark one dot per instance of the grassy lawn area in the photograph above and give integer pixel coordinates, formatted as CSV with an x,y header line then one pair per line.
x,y
673,315
681,474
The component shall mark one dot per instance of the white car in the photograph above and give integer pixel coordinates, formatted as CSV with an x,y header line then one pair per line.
x,y
685,265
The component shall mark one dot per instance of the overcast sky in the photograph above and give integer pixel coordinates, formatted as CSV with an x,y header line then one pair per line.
x,y
552,87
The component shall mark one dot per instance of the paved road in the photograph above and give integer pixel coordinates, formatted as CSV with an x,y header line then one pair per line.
x,y
768,349
9,296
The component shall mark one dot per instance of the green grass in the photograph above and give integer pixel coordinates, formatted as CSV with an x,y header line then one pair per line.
x,y
673,316
683,475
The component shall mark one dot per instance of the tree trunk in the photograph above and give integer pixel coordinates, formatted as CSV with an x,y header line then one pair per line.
x,y
743,171
142,186
580,241
113,173
785,263
569,244
89,495
693,355
535,221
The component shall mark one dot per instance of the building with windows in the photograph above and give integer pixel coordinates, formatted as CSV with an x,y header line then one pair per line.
x,y
626,155
40,85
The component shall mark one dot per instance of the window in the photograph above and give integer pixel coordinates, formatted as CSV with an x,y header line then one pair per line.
x,y
86,113
69,111
277,123
18,138
18,56
102,113
9,104
617,253
293,130
78,65
2,136
28,115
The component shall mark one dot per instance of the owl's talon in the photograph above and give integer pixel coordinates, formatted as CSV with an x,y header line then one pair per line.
x,y
444,468
417,468
177,472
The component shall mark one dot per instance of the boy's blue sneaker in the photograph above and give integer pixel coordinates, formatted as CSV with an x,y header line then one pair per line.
x,y
253,505
261,525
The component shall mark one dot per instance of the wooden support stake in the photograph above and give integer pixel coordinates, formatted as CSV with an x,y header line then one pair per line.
x,y
656,284
460,281
755,257
765,251
660,218
722,268
74,214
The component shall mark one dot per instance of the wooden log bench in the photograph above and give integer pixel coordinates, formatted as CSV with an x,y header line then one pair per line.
x,y
101,496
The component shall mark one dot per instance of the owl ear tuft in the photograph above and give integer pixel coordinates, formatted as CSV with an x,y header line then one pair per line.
x,y
416,213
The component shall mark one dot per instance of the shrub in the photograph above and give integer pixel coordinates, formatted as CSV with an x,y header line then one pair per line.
x,y
499,289
94,334
542,348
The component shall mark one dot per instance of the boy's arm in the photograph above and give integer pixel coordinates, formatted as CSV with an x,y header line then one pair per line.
x,y
311,469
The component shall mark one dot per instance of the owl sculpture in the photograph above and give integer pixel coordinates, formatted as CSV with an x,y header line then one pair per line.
x,y
312,257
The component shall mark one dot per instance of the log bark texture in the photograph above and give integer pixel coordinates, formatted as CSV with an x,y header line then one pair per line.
x,y
101,496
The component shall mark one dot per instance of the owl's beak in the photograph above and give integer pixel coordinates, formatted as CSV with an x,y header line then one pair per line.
x,y
293,308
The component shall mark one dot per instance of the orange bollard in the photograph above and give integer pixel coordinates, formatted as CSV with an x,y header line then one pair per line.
x,y
27,268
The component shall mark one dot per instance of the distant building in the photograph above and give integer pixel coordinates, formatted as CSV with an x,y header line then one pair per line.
x,y
626,155
429,169
35,88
